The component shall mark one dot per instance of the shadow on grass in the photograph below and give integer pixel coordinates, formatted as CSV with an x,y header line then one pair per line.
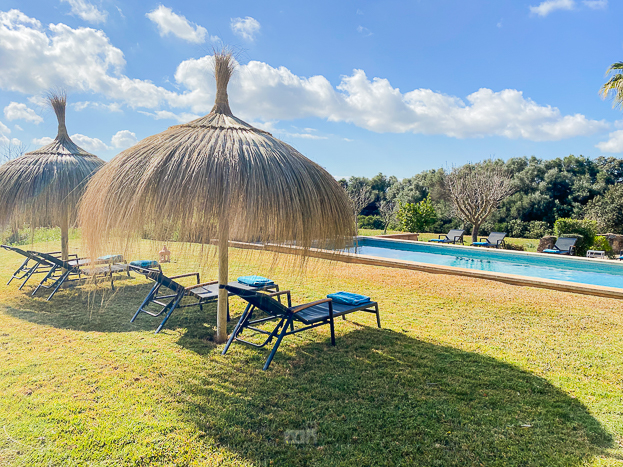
x,y
382,398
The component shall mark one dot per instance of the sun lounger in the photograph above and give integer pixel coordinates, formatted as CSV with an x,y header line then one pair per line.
x,y
563,246
454,236
63,272
309,316
32,265
494,240
169,301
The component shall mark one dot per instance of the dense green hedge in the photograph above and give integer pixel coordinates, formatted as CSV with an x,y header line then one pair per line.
x,y
584,229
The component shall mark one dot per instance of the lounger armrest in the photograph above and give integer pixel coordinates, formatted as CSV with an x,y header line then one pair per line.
x,y
187,275
203,284
442,235
296,309
500,242
484,239
458,238
281,292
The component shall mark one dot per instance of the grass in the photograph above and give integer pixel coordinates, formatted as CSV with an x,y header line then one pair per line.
x,y
463,372
529,244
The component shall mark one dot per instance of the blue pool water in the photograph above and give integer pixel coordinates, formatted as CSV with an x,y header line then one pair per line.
x,y
608,274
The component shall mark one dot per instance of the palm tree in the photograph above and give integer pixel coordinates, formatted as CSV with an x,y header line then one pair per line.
x,y
614,86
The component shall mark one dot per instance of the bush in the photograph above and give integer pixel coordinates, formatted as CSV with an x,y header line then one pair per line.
x,y
417,217
602,244
585,230
370,222
538,229
516,228
514,246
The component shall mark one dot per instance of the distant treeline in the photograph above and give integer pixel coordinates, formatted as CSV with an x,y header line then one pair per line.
x,y
546,190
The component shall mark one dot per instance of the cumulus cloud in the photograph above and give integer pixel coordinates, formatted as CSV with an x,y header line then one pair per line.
x,y
87,11
177,25
33,59
549,6
123,139
43,141
112,107
4,130
18,111
614,143
596,4
246,28
88,143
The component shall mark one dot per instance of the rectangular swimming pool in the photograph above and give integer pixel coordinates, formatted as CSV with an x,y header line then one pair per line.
x,y
568,269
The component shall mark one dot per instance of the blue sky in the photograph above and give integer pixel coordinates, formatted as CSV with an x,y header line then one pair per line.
x,y
360,87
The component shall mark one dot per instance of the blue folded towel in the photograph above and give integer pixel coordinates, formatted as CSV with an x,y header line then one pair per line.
x,y
348,298
255,281
481,243
551,251
437,240
145,264
111,259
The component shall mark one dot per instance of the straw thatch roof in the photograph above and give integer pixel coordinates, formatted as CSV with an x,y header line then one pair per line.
x,y
42,187
194,178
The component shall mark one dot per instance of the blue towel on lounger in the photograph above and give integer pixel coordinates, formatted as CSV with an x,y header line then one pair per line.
x,y
348,298
551,251
481,243
111,259
145,264
255,281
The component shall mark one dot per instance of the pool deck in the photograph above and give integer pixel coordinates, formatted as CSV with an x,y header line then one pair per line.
x,y
564,286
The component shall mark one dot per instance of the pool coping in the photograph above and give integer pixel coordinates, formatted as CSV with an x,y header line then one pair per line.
x,y
513,279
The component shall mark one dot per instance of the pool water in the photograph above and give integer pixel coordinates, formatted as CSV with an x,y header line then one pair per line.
x,y
609,274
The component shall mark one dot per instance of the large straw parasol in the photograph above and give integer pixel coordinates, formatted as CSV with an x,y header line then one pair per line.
x,y
216,177
43,187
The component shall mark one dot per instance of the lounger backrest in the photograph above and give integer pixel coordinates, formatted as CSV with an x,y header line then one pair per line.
x,y
160,278
51,259
495,237
455,233
21,252
564,243
259,300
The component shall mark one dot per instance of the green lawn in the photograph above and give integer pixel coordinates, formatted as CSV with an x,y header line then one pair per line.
x,y
530,244
464,372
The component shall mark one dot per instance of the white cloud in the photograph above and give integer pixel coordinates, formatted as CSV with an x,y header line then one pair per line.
x,y
4,130
123,139
596,4
548,6
184,117
43,141
246,28
90,144
17,127
172,23
18,111
364,31
86,11
614,143
34,59
112,107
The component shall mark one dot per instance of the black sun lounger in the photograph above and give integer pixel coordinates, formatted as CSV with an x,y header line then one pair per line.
x,y
494,240
563,246
310,315
65,271
454,236
32,264
203,293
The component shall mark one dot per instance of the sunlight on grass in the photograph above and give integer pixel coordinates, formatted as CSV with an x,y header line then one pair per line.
x,y
464,372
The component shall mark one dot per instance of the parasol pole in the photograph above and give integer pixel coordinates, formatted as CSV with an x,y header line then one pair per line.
x,y
223,266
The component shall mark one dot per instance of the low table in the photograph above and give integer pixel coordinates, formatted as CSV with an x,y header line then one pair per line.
x,y
596,254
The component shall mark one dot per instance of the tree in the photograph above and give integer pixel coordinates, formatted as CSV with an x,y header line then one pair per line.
x,y
387,211
607,210
417,217
10,151
360,197
614,86
476,190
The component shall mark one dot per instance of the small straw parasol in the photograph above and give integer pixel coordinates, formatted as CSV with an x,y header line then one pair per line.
x,y
216,177
43,187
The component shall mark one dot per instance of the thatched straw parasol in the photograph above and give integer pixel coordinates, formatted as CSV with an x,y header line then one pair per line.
x,y
216,177
43,187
